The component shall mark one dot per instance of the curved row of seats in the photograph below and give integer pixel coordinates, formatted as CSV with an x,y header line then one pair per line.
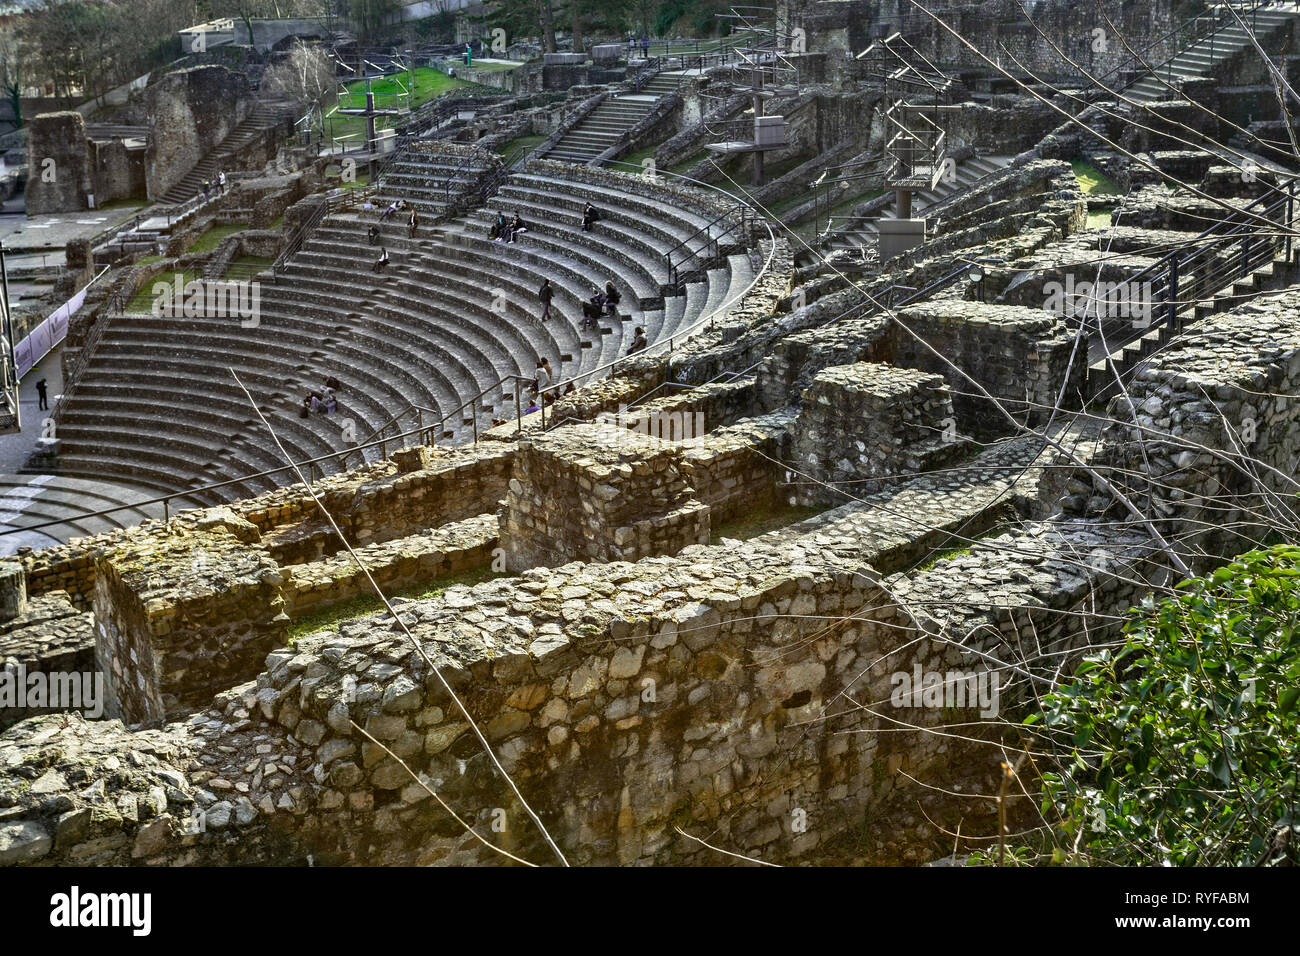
x,y
454,313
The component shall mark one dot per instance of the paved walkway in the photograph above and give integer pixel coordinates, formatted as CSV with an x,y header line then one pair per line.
x,y
52,233
15,448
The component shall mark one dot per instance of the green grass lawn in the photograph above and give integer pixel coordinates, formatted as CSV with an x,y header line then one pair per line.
x,y
368,603
428,84
1092,180
209,241
1099,219
124,204
257,262
142,301
526,143
638,157
762,521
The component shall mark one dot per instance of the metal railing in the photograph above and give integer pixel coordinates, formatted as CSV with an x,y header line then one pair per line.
x,y
300,235
704,247
429,434
1183,37
1223,254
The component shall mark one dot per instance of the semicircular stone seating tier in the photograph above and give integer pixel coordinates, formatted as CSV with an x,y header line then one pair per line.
x,y
158,404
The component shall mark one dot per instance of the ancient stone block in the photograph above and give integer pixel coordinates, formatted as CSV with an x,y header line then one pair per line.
x,y
184,611
862,423
598,493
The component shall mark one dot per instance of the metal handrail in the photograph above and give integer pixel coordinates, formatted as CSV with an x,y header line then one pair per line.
x,y
300,236
430,432
1187,266
165,500
711,250
1217,19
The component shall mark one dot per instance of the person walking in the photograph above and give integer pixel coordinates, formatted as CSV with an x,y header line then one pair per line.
x,y
545,293
541,377
373,234
41,394
207,189
221,182
645,46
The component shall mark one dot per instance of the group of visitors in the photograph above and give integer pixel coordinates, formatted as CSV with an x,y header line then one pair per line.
x,y
221,186
632,45
600,304
503,231
323,400
394,207
540,392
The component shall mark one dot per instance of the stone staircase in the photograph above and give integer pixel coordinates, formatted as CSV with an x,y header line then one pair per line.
x,y
428,180
1202,57
27,500
865,233
601,128
268,114
453,314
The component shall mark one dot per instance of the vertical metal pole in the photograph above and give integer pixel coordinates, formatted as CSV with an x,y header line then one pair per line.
x,y
1290,202
11,367
1173,292
167,510
519,415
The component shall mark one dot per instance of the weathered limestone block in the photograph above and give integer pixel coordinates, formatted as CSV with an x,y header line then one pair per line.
x,y
13,590
58,157
598,493
50,637
184,611
863,423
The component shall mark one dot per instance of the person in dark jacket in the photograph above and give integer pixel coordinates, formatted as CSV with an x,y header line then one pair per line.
x,y
592,309
638,341
589,217
611,299
545,293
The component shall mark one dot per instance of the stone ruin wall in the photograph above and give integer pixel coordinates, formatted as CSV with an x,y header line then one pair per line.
x,y
742,647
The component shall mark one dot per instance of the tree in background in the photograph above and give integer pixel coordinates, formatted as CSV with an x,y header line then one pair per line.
x,y
371,15
12,75
305,75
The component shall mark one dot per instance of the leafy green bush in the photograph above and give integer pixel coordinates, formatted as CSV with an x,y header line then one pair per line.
x,y
1180,748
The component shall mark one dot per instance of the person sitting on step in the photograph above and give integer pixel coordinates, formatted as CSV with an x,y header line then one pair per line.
x,y
382,262
611,299
638,341
516,227
592,309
